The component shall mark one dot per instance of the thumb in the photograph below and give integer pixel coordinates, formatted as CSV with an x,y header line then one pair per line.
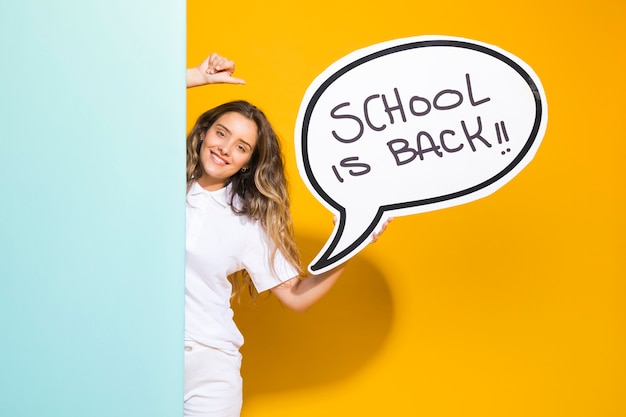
x,y
233,80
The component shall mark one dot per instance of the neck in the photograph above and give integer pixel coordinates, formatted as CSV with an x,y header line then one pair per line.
x,y
210,185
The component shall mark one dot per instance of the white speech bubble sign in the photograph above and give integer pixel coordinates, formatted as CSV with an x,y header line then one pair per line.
x,y
414,125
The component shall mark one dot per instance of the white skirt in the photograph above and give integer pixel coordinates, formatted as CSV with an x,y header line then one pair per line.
x,y
213,386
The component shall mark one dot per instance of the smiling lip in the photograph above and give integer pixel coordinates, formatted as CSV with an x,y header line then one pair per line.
x,y
218,159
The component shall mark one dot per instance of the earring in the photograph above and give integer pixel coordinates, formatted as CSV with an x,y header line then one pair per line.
x,y
244,169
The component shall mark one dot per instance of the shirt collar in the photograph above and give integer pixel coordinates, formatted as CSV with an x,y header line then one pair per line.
x,y
219,196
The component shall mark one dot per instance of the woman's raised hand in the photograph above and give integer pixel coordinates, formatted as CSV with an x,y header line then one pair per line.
x,y
215,69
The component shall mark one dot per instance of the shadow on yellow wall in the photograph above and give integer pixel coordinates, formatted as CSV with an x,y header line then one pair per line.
x,y
285,350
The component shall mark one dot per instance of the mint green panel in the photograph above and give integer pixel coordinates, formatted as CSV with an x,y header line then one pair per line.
x,y
92,184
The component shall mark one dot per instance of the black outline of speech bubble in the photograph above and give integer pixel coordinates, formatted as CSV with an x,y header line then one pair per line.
x,y
324,260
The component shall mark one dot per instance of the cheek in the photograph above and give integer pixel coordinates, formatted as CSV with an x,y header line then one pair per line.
x,y
203,157
204,150
245,160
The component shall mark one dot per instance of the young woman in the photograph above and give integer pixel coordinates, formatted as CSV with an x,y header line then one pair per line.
x,y
238,222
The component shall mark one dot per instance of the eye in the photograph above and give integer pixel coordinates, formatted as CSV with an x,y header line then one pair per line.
x,y
242,148
220,133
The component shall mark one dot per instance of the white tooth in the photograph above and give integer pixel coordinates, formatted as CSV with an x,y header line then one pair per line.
x,y
218,160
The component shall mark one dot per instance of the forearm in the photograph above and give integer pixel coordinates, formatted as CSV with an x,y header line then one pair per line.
x,y
300,295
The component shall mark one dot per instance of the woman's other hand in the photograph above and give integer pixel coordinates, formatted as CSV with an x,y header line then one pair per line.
x,y
376,235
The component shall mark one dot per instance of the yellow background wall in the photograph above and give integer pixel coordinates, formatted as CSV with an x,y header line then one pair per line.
x,y
513,305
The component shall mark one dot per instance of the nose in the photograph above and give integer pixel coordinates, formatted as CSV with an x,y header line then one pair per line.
x,y
224,148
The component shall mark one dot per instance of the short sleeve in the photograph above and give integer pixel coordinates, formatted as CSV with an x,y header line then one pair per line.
x,y
257,262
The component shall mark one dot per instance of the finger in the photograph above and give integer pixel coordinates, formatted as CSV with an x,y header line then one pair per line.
x,y
383,227
233,80
211,62
214,62
376,235
226,67
226,78
218,63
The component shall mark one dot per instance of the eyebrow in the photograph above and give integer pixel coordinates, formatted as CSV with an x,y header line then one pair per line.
x,y
230,133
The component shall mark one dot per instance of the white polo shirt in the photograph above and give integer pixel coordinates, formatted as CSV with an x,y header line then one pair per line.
x,y
219,242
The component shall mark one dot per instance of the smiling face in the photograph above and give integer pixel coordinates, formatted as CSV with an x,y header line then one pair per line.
x,y
227,147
